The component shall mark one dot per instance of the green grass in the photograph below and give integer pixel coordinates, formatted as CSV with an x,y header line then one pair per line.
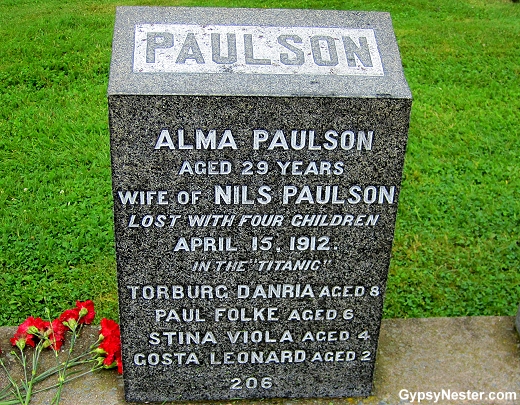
x,y
456,250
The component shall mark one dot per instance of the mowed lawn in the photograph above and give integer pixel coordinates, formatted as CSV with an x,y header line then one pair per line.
x,y
456,249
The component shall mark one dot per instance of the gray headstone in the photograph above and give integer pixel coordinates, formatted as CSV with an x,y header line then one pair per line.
x,y
257,159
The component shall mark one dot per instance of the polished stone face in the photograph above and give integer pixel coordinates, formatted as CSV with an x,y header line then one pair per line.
x,y
253,231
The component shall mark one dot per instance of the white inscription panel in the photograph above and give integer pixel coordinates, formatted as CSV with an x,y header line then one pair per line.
x,y
182,48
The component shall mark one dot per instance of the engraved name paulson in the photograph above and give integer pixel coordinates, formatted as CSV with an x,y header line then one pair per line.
x,y
183,48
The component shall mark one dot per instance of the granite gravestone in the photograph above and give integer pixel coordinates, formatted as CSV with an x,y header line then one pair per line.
x,y
257,159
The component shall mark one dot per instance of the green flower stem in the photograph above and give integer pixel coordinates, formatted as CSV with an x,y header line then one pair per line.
x,y
24,365
67,381
12,402
41,377
15,390
35,361
62,374
26,387
22,392
53,370
76,361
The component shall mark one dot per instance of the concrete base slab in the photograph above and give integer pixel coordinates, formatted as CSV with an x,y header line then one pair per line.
x,y
517,323
475,357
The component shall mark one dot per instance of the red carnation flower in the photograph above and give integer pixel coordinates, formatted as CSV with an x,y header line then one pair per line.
x,y
109,329
86,311
70,318
69,314
25,334
111,344
56,334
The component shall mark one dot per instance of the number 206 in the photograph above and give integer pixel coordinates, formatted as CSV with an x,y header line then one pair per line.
x,y
251,383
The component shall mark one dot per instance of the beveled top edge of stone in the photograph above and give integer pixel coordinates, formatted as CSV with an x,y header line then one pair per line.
x,y
124,81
